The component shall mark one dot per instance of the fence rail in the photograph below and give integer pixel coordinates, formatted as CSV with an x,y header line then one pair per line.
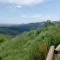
x,y
53,51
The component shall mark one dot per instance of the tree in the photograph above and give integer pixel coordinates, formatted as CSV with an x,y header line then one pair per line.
x,y
48,23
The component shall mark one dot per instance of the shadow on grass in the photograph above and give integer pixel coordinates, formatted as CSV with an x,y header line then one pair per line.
x,y
0,58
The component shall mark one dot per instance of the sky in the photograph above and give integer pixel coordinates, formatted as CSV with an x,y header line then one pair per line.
x,y
28,11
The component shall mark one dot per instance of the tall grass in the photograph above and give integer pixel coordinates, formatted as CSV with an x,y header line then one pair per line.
x,y
32,45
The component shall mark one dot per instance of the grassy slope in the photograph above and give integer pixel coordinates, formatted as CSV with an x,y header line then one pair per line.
x,y
31,45
5,37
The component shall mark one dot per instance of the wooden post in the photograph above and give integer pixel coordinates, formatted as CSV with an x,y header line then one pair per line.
x,y
58,48
50,53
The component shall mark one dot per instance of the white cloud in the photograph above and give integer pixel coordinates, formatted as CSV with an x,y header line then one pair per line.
x,y
40,17
18,6
15,6
23,19
22,2
31,16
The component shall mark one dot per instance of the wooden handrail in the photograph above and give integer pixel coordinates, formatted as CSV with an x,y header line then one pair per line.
x,y
50,53
58,48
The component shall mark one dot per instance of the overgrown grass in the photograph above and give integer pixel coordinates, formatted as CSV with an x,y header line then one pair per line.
x,y
32,45
5,37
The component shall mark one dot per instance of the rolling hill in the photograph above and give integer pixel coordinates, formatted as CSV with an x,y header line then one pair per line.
x,y
17,29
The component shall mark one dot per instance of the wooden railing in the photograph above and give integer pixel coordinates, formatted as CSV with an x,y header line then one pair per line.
x,y
53,51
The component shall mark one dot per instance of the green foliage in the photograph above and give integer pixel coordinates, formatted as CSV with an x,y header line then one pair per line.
x,y
48,23
32,45
57,57
5,37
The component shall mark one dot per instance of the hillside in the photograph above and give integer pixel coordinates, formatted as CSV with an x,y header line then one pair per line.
x,y
32,45
19,28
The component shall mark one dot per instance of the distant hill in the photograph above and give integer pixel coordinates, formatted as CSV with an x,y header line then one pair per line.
x,y
17,29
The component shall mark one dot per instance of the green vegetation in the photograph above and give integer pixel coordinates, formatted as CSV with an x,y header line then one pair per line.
x,y
5,37
32,45
57,57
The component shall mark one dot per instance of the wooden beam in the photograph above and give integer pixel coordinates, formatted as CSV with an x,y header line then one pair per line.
x,y
58,48
50,53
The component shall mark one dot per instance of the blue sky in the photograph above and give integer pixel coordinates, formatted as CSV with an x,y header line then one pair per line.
x,y
28,11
